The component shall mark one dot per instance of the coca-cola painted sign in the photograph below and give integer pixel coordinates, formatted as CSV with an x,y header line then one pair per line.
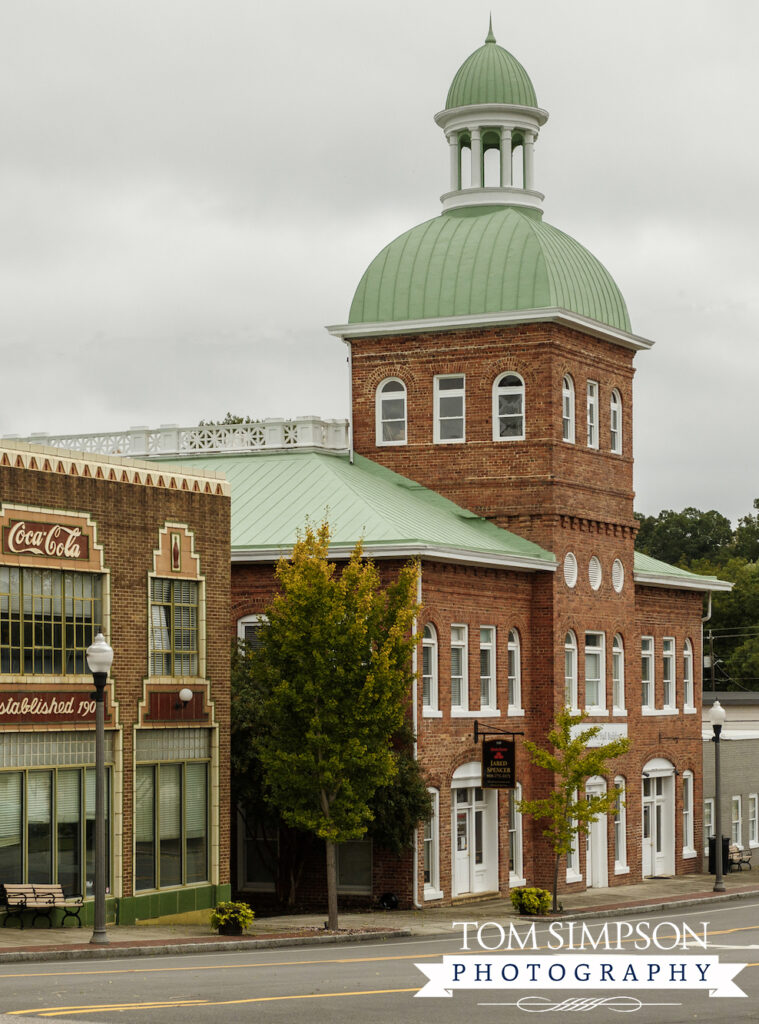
x,y
52,540
63,706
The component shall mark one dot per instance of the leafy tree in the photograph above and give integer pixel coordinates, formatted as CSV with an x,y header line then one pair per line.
x,y
566,810
680,537
746,537
335,665
401,805
229,420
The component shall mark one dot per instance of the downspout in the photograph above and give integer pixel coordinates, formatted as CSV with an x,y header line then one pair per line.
x,y
705,618
350,401
414,723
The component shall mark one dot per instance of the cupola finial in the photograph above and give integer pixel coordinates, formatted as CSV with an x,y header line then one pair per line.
x,y
490,37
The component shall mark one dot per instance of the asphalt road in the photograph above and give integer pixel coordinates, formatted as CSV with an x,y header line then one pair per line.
x,y
378,982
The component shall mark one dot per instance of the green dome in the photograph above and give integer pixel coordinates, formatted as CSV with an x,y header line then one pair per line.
x,y
491,75
478,260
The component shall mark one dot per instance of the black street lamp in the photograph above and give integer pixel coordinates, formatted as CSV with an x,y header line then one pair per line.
x,y
99,661
717,718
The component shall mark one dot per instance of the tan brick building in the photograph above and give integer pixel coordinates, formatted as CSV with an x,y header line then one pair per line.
x,y
94,543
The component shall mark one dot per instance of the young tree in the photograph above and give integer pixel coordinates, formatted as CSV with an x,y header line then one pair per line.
x,y
566,810
335,664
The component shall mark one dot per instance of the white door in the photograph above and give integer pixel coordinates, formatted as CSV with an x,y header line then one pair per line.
x,y
658,826
474,832
462,835
596,867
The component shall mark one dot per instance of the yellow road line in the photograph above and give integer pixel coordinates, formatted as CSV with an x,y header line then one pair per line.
x,y
63,1011
302,963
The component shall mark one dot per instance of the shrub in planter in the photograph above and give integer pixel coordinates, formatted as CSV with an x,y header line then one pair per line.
x,y
231,918
531,900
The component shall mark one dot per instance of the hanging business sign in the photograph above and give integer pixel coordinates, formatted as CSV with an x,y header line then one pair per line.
x,y
498,764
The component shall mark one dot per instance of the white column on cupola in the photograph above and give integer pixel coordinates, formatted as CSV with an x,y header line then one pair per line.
x,y
529,163
453,143
476,158
506,157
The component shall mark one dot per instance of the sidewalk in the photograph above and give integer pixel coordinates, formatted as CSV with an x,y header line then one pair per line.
x,y
307,929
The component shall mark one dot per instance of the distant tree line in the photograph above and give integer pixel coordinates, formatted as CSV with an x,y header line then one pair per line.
x,y
707,543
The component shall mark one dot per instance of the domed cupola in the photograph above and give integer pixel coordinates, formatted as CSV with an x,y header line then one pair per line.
x,y
491,120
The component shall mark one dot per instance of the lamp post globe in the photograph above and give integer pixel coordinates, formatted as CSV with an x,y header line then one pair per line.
x,y
99,661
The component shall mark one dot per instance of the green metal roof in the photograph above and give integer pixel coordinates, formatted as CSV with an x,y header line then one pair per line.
x,y
478,260
646,566
273,494
491,75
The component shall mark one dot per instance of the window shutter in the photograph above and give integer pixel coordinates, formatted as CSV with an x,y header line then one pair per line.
x,y
196,793
144,801
170,801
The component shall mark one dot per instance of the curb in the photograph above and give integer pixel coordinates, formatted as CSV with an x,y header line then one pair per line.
x,y
123,952
683,901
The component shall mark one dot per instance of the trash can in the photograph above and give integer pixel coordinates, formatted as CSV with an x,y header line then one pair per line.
x,y
713,855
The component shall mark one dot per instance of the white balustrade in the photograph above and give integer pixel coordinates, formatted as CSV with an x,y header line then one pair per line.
x,y
170,439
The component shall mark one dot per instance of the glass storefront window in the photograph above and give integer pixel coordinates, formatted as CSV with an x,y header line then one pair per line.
x,y
47,821
171,824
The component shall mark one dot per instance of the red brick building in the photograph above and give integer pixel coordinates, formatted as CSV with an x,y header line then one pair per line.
x,y
95,543
491,362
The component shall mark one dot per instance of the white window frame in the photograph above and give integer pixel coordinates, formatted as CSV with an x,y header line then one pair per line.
x,y
431,845
461,644
599,708
618,675
248,620
621,866
507,390
570,670
379,417
449,393
688,704
491,704
573,856
516,839
689,846
615,422
592,414
753,819
668,679
430,708
647,649
736,822
514,672
709,832
568,409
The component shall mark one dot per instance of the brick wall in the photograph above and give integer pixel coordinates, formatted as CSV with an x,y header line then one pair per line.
x,y
128,518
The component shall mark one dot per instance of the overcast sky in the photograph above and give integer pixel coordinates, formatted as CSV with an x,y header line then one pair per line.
x,y
191,189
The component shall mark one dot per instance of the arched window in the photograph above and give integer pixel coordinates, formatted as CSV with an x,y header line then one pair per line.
x,y
618,674
515,673
568,410
620,827
391,412
429,669
570,670
508,408
615,422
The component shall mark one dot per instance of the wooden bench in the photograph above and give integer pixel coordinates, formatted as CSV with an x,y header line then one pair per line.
x,y
737,858
43,899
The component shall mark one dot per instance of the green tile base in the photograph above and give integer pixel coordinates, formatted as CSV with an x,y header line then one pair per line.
x,y
130,909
